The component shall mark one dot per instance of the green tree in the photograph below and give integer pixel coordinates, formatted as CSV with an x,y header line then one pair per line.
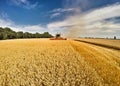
x,y
1,36
46,35
7,33
20,34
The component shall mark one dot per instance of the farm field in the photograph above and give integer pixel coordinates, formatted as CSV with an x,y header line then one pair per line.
x,y
44,62
106,42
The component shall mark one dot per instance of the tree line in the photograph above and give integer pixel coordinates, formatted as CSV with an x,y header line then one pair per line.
x,y
8,33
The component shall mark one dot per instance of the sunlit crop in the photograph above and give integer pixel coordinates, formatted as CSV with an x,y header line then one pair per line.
x,y
43,62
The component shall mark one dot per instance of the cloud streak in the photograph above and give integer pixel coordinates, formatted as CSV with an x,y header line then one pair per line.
x,y
60,11
55,15
103,13
23,3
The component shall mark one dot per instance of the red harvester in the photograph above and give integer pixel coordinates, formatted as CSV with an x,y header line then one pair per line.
x,y
58,37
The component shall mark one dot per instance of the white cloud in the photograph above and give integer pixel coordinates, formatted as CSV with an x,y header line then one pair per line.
x,y
92,22
4,15
55,15
34,28
24,3
103,13
59,11
6,22
63,10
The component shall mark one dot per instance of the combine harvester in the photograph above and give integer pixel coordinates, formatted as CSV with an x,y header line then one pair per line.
x,y
58,37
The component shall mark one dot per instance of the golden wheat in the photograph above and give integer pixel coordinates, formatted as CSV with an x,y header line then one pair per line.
x,y
106,62
107,42
42,62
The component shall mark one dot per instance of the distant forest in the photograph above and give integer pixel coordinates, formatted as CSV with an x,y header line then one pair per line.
x,y
8,33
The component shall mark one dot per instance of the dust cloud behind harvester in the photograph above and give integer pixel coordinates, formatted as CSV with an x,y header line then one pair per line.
x,y
76,28
76,22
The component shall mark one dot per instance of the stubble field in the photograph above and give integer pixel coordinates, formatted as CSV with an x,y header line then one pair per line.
x,y
42,62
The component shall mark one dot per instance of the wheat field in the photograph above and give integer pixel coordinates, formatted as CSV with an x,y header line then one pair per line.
x,y
42,62
107,42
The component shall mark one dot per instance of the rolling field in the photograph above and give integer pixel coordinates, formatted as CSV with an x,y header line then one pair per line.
x,y
42,62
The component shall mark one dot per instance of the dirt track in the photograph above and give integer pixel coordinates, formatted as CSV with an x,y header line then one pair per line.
x,y
106,62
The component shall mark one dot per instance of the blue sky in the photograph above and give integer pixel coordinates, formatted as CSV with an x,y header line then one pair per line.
x,y
34,13
82,17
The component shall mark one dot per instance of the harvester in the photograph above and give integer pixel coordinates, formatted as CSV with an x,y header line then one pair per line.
x,y
58,37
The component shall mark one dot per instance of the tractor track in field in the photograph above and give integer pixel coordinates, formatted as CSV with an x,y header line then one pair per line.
x,y
105,61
